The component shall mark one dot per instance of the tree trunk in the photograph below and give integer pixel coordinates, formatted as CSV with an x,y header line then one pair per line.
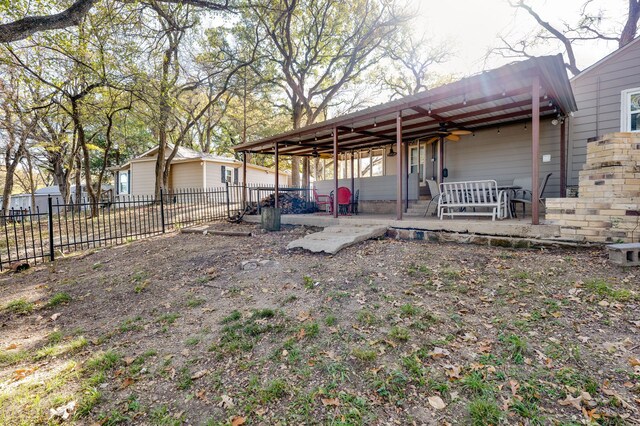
x,y
163,120
78,182
10,166
32,182
296,116
631,26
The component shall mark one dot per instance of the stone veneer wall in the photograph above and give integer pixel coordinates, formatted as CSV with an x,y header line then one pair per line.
x,y
608,205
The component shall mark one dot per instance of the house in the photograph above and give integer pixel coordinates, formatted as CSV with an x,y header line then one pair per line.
x,y
500,124
189,170
38,201
608,98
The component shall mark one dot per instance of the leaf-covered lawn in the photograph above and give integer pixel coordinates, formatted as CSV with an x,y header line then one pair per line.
x,y
170,331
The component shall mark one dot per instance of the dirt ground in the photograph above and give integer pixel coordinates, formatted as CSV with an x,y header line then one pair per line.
x,y
171,330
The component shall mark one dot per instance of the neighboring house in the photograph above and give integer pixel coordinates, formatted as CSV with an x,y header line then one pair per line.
x,y
189,170
38,201
608,98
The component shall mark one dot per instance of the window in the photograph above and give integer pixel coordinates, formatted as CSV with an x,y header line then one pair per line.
x,y
417,161
228,174
123,183
377,161
365,163
630,111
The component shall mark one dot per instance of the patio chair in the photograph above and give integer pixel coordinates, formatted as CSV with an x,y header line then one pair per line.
x,y
344,200
434,189
525,194
323,201
354,204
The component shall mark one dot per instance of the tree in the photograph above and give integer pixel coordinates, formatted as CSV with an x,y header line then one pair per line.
x,y
587,28
73,16
412,59
318,48
17,126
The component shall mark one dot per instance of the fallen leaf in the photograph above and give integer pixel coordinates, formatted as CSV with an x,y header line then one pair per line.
x,y
514,386
453,371
64,411
237,420
55,316
11,346
21,373
438,353
199,374
127,382
226,402
436,402
261,411
572,401
634,361
304,316
129,360
300,334
335,402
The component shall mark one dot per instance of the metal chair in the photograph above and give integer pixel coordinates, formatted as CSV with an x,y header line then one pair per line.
x,y
434,189
354,204
323,200
344,200
525,194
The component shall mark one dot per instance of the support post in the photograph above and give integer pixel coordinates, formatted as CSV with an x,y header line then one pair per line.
x,y
244,179
353,180
406,176
276,205
335,172
563,159
535,151
440,159
398,166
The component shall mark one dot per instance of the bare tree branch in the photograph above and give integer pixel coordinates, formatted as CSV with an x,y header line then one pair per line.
x,y
25,27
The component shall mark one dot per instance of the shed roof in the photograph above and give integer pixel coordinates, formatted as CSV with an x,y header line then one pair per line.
x,y
491,98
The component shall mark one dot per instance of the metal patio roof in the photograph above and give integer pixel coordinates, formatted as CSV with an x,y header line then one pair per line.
x,y
488,99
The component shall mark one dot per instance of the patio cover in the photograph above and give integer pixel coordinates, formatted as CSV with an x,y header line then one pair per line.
x,y
521,91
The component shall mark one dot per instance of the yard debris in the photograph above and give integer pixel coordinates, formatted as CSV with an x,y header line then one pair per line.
x,y
439,353
238,420
21,373
19,266
576,401
226,402
55,316
64,412
437,402
252,264
333,402
200,374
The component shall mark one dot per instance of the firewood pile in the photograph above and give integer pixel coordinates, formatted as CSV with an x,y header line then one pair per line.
x,y
289,203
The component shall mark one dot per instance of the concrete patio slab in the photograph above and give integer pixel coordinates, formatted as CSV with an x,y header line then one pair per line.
x,y
520,228
334,238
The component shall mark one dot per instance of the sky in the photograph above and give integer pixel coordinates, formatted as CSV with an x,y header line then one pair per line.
x,y
471,27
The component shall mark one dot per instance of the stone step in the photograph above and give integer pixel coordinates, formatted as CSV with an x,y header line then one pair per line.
x,y
334,238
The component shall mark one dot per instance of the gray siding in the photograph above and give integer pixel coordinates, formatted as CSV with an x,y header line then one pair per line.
x,y
376,188
504,156
598,96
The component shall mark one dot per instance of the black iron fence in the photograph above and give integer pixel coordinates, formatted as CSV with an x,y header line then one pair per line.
x,y
66,227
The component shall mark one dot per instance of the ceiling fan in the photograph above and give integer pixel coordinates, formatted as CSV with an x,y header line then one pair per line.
x,y
449,134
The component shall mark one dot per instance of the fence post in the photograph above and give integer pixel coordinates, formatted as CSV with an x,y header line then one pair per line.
x,y
52,252
162,209
228,199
